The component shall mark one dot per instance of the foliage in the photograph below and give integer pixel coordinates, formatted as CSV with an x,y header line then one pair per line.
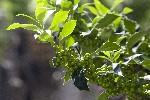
x,y
96,44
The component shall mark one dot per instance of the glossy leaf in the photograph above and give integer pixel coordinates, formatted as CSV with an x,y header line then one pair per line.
x,y
59,17
107,20
100,7
25,26
67,29
135,38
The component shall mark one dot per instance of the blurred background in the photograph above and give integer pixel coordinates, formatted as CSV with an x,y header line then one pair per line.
x,y
25,73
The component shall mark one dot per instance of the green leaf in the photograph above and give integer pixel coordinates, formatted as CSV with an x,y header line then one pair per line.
x,y
120,39
44,3
103,96
129,25
46,38
146,63
100,7
67,77
104,57
109,46
67,5
115,3
26,16
116,56
76,2
58,18
70,42
107,53
107,20
25,26
67,29
127,10
135,38
117,21
92,10
143,47
84,6
40,14
96,19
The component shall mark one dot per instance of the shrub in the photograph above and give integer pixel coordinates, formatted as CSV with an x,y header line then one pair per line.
x,y
96,45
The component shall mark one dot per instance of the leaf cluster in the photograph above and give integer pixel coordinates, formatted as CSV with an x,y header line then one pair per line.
x,y
96,44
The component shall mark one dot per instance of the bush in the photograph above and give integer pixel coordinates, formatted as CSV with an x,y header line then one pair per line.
x,y
96,45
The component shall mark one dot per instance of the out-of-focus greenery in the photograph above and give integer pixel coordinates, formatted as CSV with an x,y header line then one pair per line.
x,y
140,12
8,11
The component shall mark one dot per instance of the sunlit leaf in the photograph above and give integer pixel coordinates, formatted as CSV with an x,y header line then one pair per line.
x,y
76,2
104,57
67,29
101,8
116,56
117,21
84,6
69,42
108,46
46,38
44,3
107,53
58,18
25,26
115,3
127,10
40,13
66,5
49,12
92,10
96,19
